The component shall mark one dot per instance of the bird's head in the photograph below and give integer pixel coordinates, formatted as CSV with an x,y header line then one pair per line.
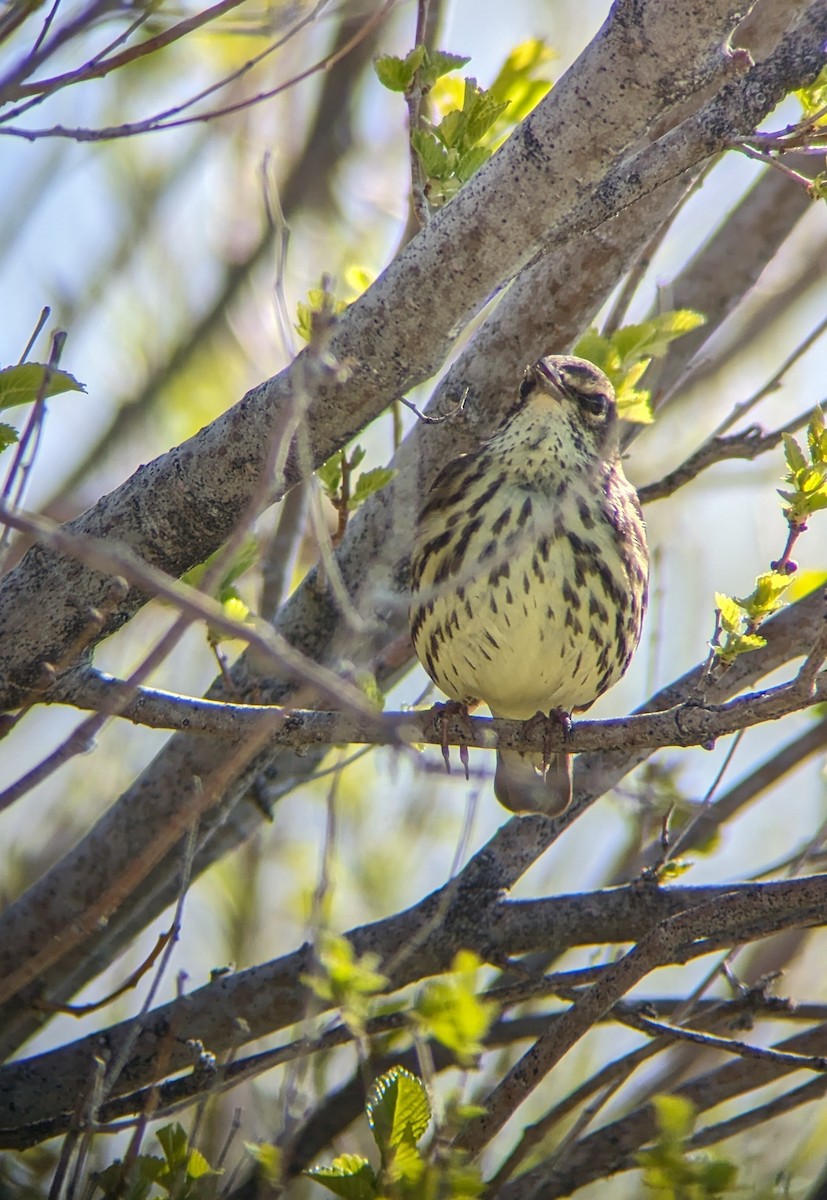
x,y
564,388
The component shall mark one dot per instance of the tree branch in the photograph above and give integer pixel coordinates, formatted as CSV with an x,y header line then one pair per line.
x,y
673,924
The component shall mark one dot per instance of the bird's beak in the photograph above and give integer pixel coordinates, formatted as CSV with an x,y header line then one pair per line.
x,y
544,369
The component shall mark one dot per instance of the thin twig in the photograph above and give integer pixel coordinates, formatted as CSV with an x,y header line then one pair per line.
x,y
748,444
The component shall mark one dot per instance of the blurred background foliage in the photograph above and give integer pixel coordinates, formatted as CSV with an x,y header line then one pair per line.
x,y
176,260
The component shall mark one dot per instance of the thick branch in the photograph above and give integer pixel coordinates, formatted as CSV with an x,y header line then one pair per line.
x,y
270,996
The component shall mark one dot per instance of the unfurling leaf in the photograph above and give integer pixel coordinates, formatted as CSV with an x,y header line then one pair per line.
x,y
450,1010
398,1109
349,1176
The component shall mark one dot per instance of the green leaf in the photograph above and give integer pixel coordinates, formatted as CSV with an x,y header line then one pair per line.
x,y
269,1160
766,596
817,434
717,1177
817,187
439,63
318,301
8,436
432,154
739,643
452,129
370,482
349,1176
813,98
396,74
793,453
731,613
246,557
634,403
345,980
398,1109
142,1173
673,869
515,82
811,479
450,1010
675,1116
471,161
329,474
593,346
481,110
173,1140
197,1165
357,455
367,683
22,384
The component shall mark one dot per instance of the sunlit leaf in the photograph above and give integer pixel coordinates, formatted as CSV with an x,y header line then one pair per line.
x,y
398,1108
349,1176
23,383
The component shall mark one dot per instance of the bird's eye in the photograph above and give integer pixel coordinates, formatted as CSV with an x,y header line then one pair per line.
x,y
528,385
596,404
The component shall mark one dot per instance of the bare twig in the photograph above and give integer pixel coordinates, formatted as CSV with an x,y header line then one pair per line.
x,y
749,444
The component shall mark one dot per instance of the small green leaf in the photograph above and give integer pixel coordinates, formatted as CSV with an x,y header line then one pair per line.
x,y
730,611
357,455
396,74
482,111
22,384
370,482
367,684
345,980
811,479
673,869
349,1176
675,1116
793,453
173,1140
329,474
145,1171
450,1010
817,435
269,1160
717,1177
452,128
318,301
432,153
246,557
593,346
8,436
813,98
398,1109
766,596
471,161
197,1165
439,63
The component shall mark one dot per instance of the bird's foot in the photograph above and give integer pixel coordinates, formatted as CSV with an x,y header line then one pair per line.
x,y
446,712
548,724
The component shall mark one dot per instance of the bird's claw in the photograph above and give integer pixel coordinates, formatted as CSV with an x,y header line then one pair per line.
x,y
444,715
548,724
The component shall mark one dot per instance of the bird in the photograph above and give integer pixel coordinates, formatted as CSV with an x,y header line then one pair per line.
x,y
529,569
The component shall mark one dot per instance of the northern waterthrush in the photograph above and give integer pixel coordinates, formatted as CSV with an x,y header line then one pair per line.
x,y
530,568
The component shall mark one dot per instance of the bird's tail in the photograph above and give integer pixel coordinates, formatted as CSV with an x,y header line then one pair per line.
x,y
522,787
